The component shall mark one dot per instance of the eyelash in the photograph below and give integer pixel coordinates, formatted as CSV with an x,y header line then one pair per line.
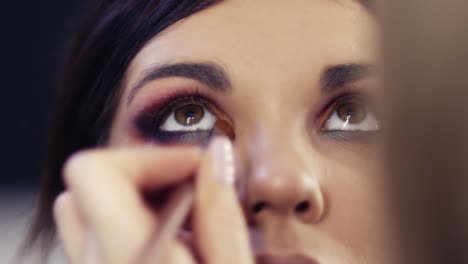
x,y
345,93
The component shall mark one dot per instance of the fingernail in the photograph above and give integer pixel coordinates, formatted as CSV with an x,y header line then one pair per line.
x,y
223,157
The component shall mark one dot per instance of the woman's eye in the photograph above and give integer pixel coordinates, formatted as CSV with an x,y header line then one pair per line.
x,y
351,116
190,117
183,120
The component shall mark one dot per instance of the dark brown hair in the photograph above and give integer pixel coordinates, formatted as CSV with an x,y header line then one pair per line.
x,y
109,37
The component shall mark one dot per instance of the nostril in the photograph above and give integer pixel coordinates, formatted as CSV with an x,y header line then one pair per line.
x,y
302,207
259,207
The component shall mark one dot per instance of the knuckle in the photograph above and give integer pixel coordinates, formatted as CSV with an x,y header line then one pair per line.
x,y
79,162
61,204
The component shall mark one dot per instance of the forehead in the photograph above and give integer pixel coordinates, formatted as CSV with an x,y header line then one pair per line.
x,y
266,35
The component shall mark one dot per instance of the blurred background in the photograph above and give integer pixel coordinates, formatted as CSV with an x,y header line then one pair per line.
x,y
33,37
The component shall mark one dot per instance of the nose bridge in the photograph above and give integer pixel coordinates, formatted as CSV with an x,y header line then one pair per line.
x,y
279,180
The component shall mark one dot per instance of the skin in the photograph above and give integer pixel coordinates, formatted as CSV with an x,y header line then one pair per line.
x,y
281,157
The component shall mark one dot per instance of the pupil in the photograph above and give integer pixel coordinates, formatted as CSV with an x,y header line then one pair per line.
x,y
190,114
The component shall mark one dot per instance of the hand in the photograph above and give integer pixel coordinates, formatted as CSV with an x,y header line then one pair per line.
x,y
102,217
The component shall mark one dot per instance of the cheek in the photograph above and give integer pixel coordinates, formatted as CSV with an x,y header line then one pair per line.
x,y
358,214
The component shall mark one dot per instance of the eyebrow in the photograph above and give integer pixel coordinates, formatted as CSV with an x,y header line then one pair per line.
x,y
338,75
209,74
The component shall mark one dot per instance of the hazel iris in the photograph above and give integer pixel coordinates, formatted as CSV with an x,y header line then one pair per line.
x,y
353,113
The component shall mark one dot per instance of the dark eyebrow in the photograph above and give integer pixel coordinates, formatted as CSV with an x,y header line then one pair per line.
x,y
338,75
209,74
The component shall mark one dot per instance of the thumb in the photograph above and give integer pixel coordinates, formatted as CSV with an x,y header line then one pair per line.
x,y
219,225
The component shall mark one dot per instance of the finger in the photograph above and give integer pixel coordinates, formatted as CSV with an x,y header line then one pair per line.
x,y
70,226
148,166
180,255
217,212
170,222
92,253
176,253
107,185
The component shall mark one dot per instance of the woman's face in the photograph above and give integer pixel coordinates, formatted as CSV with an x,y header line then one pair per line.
x,y
291,82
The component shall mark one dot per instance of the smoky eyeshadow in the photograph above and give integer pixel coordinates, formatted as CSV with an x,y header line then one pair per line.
x,y
147,123
148,127
149,120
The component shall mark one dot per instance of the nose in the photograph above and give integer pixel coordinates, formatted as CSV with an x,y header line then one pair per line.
x,y
286,189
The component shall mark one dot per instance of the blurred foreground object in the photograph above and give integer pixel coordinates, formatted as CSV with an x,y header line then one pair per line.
x,y
425,49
